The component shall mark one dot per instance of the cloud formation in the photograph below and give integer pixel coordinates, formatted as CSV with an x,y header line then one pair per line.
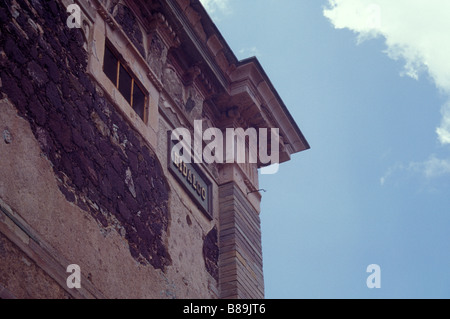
x,y
212,6
415,31
431,168
249,52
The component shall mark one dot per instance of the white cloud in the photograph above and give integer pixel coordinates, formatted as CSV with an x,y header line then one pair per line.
x,y
443,131
431,168
416,31
386,175
249,52
435,167
212,6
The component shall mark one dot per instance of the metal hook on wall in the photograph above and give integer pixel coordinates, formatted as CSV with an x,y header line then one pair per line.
x,y
258,190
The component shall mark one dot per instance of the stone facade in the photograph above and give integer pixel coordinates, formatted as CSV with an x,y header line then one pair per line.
x,y
84,179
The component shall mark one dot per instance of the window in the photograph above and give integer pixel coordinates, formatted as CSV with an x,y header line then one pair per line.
x,y
124,82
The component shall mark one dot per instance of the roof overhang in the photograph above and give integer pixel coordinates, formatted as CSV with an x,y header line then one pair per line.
x,y
239,83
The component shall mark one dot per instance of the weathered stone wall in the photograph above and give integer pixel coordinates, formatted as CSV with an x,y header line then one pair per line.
x,y
83,179
33,281
54,232
101,164
84,176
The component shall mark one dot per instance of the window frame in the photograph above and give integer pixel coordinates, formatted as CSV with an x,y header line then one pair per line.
x,y
130,100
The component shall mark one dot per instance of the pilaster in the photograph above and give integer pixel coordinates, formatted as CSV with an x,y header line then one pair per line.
x,y
240,251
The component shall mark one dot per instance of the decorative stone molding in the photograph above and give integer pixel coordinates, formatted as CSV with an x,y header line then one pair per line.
x,y
160,24
195,75
107,17
191,74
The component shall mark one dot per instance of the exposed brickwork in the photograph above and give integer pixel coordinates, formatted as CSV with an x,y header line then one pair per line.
x,y
102,164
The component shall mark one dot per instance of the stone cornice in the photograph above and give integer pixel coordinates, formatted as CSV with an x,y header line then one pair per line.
x,y
161,25
245,83
199,46
215,69
270,103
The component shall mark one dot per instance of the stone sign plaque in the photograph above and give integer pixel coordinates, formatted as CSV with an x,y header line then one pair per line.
x,y
190,176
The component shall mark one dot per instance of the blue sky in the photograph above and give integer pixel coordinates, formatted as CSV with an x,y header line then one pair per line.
x,y
368,83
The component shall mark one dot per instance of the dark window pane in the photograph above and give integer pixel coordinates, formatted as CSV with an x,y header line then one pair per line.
x,y
125,84
138,101
110,65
